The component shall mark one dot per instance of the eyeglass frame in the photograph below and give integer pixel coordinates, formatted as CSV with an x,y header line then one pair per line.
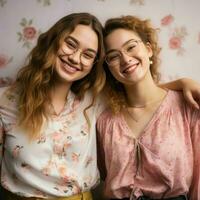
x,y
79,49
122,50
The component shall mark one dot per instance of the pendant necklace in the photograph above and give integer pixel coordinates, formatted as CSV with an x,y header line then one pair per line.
x,y
142,107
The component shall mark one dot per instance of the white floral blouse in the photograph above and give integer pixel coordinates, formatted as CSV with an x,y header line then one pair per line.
x,y
61,162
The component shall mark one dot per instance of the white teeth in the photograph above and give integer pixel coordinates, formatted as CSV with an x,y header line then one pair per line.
x,y
68,67
129,69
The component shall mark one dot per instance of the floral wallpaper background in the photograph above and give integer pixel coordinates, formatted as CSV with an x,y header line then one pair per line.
x,y
21,22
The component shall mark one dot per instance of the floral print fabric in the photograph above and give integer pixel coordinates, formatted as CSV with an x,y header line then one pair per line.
x,y
163,162
61,162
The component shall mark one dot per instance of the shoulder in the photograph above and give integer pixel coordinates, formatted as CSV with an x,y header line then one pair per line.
x,y
106,118
175,99
176,96
178,101
106,114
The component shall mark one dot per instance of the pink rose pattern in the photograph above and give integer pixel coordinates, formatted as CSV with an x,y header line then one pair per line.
x,y
4,60
28,34
178,35
167,20
61,143
176,40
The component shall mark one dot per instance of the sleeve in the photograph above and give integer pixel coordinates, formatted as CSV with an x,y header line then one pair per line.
x,y
100,149
194,192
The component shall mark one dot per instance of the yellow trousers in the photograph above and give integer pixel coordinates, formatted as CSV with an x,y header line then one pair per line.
x,y
82,196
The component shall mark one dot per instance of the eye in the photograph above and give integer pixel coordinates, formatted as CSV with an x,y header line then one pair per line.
x,y
113,57
71,44
131,47
89,55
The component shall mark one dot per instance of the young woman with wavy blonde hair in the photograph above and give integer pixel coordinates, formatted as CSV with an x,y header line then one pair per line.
x,y
48,141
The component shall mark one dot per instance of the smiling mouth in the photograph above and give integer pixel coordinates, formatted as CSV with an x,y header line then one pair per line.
x,y
130,68
68,67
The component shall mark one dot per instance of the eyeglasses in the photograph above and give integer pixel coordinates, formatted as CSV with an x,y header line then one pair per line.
x,y
87,57
114,56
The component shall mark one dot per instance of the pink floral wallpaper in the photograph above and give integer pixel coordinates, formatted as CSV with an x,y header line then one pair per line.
x,y
177,21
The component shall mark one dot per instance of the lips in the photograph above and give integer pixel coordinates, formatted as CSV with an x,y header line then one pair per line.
x,y
68,67
130,68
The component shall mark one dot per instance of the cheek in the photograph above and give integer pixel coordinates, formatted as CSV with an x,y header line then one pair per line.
x,y
87,70
115,72
57,63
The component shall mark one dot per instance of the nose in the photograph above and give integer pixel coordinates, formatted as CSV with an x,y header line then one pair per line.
x,y
75,57
125,58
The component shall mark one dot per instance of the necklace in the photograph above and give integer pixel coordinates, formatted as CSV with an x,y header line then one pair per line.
x,y
53,111
132,116
143,107
146,104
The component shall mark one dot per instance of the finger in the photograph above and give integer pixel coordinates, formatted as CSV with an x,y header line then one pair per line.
x,y
189,98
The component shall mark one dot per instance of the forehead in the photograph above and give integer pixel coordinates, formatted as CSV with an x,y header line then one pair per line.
x,y
118,37
86,36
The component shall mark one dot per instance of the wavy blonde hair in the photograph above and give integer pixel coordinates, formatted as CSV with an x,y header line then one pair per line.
x,y
35,80
114,89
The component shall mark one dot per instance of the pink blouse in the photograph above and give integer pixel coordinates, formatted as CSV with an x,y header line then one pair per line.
x,y
163,162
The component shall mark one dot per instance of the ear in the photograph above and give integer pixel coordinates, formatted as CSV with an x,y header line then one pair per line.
x,y
149,49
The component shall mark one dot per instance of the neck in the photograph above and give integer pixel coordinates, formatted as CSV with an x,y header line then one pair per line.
x,y
59,92
143,93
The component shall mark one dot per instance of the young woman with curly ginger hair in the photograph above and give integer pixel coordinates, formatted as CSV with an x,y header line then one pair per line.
x,y
149,136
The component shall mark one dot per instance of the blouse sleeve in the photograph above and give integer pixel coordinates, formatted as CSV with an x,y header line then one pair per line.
x,y
194,192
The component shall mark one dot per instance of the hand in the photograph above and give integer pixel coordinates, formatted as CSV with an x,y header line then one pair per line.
x,y
191,92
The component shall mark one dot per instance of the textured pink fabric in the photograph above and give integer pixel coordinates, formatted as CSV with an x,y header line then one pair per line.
x,y
169,151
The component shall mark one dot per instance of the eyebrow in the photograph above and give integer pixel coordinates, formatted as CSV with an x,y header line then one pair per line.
x,y
77,42
113,50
